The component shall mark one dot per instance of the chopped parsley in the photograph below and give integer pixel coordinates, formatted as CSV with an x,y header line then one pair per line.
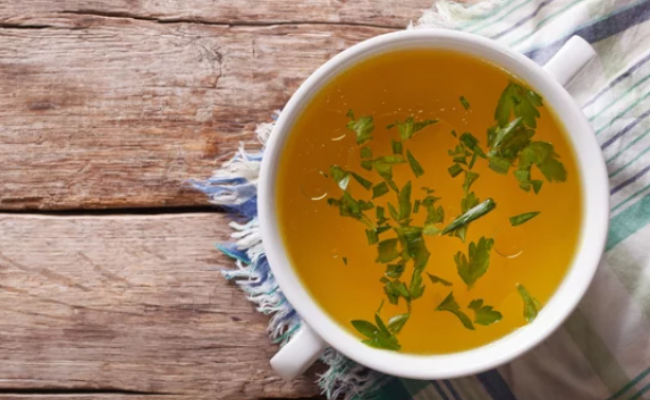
x,y
473,266
521,218
450,304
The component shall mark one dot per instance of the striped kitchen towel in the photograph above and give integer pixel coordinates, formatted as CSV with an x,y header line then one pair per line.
x,y
603,350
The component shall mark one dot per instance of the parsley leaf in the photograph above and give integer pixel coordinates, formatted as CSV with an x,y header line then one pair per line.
x,y
464,102
470,177
362,181
475,266
454,170
409,127
340,176
416,288
521,218
499,165
484,315
380,214
366,153
531,305
450,304
372,236
396,323
436,279
395,289
472,143
543,155
405,201
379,189
378,336
384,167
363,127
387,250
430,230
395,270
415,165
345,260
416,206
520,101
434,215
397,146
471,214
393,212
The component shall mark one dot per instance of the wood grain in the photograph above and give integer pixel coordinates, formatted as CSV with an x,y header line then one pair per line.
x,y
111,112
119,306
387,13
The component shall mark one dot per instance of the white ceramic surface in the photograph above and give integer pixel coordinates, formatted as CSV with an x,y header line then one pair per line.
x,y
320,330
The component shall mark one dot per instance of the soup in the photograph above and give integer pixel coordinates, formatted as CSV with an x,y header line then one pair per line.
x,y
429,201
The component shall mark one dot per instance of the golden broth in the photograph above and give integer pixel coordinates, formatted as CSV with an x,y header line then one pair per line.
x,y
423,84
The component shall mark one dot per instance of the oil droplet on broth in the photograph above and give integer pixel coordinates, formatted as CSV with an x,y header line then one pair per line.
x,y
340,132
509,241
315,185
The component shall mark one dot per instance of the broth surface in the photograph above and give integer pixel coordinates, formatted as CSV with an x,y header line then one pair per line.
x,y
423,84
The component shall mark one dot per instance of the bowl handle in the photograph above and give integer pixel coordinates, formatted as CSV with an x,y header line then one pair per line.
x,y
570,59
298,354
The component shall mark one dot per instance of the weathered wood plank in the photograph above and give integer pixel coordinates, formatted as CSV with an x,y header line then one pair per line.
x,y
115,112
371,12
131,304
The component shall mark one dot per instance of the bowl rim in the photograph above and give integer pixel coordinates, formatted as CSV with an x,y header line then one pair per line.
x,y
595,203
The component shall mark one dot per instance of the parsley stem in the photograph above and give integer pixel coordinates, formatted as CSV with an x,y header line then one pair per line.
x,y
471,214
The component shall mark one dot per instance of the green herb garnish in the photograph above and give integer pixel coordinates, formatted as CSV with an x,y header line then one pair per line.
x,y
455,170
416,206
470,142
405,202
363,127
345,260
415,165
340,176
395,289
484,315
450,304
470,178
379,189
393,212
543,155
362,181
531,305
475,266
416,288
430,230
384,167
395,270
521,218
469,216
520,101
396,323
464,102
378,335
366,153
372,236
409,127
387,251
398,148
437,279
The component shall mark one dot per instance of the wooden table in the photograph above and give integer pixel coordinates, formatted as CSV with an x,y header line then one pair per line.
x,y
108,276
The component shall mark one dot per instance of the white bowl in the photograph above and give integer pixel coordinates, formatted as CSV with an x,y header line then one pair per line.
x,y
321,330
